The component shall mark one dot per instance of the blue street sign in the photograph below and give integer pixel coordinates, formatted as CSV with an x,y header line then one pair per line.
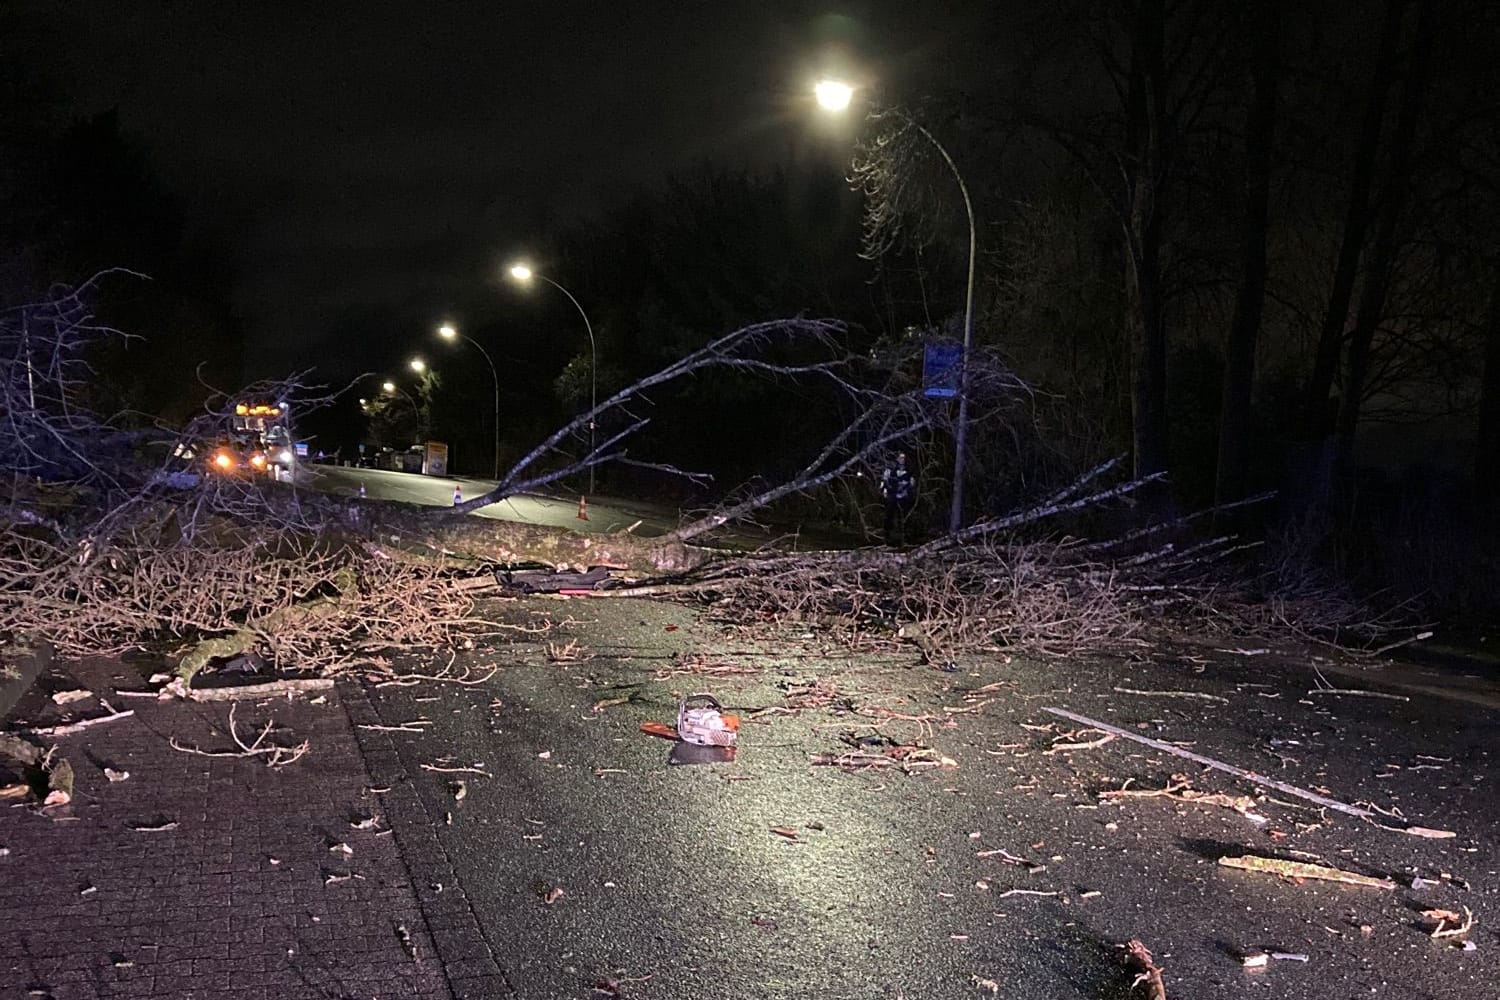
x,y
940,370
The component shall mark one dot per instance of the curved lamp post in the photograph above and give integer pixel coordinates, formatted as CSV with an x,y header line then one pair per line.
x,y
524,274
447,332
391,388
833,95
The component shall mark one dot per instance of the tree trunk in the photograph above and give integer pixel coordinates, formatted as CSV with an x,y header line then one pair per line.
x,y
1487,441
1356,220
1244,326
1146,124
1383,250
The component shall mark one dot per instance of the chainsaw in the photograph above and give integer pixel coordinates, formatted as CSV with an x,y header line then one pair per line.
x,y
702,720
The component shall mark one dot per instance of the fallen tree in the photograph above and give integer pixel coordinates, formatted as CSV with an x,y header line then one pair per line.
x,y
101,549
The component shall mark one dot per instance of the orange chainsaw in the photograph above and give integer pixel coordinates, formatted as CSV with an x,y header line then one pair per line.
x,y
701,720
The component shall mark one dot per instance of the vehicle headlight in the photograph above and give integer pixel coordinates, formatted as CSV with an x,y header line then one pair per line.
x,y
223,460
285,458
259,461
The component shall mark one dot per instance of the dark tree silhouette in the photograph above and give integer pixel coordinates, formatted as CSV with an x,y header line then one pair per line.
x,y
1244,326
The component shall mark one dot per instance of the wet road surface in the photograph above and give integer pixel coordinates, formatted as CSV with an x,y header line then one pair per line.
x,y
381,484
1004,874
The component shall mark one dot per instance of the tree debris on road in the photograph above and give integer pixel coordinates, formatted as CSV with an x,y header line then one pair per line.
x,y
1303,870
276,755
1259,779
1148,974
908,758
1447,924
1181,789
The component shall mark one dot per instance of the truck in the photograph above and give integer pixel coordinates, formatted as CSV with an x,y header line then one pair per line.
x,y
259,442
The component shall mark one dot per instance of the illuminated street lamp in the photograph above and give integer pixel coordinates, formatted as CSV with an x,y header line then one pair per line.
x,y
524,274
447,332
833,95
390,388
418,365
395,390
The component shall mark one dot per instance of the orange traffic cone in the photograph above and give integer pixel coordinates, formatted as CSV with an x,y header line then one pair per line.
x,y
583,509
458,495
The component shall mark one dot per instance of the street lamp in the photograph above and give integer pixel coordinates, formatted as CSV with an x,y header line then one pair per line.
x,y
524,274
392,389
447,332
418,365
833,95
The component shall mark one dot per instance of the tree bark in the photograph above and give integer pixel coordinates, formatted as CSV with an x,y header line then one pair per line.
x,y
1146,125
1244,326
1383,250
1356,221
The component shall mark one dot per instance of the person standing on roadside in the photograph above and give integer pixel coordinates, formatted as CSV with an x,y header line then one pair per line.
x,y
898,489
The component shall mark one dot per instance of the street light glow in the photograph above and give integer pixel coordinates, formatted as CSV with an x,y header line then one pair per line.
x,y
418,365
833,95
520,272
446,330
388,386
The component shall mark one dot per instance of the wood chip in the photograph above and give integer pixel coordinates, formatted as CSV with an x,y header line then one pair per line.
x,y
154,827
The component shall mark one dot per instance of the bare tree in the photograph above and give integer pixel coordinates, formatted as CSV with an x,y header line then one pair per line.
x,y
1383,250
1487,439
1356,220
1244,326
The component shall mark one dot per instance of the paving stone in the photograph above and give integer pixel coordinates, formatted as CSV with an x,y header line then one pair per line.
x,y
199,909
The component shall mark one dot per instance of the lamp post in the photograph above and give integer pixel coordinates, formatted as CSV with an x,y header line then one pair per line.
x,y
447,332
393,389
833,95
524,274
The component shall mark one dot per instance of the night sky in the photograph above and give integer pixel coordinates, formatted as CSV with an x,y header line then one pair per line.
x,y
377,163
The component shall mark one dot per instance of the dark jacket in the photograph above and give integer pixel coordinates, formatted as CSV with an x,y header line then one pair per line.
x,y
897,484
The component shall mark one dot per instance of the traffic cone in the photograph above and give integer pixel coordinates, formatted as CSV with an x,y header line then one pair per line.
x,y
583,509
361,490
458,495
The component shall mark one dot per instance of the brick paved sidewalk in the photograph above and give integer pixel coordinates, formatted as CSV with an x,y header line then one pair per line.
x,y
248,896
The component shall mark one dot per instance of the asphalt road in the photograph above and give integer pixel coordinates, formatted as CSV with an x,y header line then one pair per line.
x,y
603,514
1004,874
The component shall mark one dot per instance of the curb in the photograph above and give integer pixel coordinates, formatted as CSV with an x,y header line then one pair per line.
x,y
466,955
30,662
